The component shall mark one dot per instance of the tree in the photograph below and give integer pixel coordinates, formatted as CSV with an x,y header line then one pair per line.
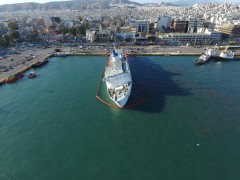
x,y
81,30
63,30
80,18
13,26
2,43
6,39
88,26
14,35
73,31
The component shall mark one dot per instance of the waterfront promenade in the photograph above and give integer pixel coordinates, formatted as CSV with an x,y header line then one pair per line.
x,y
19,62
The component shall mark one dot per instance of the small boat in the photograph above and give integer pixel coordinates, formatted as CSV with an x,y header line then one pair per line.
x,y
32,75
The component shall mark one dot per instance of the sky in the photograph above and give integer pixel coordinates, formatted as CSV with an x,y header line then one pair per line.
x,y
44,1
139,1
22,1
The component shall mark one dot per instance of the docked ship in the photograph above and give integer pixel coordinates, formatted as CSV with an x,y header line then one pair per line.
x,y
226,55
118,77
13,78
206,56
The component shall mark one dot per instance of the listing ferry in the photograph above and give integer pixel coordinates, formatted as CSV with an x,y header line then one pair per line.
x,y
118,77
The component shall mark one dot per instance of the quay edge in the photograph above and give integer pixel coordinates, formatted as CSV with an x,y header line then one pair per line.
x,y
24,69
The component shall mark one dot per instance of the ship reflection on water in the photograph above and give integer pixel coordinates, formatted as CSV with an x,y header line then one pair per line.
x,y
158,82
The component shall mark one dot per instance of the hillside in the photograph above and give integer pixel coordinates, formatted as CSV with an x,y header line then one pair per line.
x,y
60,5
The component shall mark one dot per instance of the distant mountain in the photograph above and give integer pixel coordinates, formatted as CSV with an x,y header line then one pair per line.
x,y
188,2
160,3
75,4
192,2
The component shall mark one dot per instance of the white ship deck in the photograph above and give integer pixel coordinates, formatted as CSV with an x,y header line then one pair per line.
x,y
118,79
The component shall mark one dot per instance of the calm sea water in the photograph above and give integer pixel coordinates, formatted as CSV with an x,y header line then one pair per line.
x,y
53,127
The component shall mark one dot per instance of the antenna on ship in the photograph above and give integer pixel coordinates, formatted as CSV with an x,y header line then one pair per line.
x,y
226,48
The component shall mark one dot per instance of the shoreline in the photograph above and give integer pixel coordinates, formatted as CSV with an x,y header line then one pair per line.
x,y
133,54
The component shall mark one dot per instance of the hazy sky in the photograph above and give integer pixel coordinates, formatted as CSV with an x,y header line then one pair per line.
x,y
44,1
21,1
139,1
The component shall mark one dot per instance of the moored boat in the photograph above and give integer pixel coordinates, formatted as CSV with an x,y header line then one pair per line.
x,y
32,75
226,55
13,78
206,56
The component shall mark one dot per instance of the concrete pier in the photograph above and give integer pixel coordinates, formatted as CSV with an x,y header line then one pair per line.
x,y
20,68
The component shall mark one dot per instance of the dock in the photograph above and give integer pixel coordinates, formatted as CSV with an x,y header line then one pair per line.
x,y
21,68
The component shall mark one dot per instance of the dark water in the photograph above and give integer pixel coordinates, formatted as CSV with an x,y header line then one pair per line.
x,y
53,127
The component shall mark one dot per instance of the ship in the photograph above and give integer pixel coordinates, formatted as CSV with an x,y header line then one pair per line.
x,y
118,77
206,56
13,78
225,55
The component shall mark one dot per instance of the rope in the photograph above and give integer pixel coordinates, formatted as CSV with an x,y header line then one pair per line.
x,y
127,106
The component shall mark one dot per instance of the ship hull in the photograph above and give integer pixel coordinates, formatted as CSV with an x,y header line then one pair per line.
x,y
218,58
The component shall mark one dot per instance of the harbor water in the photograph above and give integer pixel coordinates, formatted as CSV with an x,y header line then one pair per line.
x,y
53,127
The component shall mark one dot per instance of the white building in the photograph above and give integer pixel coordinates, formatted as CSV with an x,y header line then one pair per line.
x,y
163,22
47,22
91,35
191,37
68,24
132,23
140,25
